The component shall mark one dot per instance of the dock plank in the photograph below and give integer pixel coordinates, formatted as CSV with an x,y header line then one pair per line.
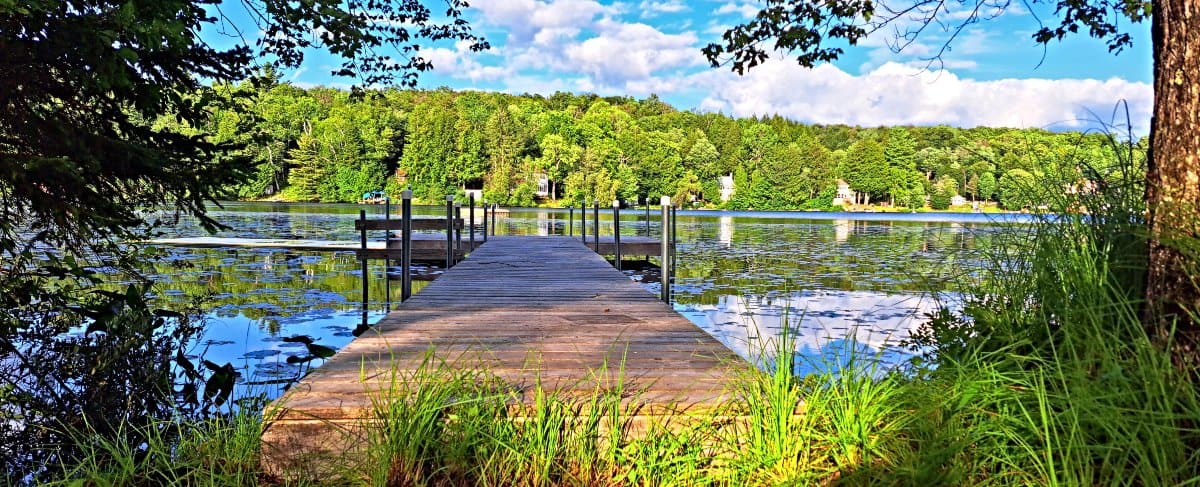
x,y
542,311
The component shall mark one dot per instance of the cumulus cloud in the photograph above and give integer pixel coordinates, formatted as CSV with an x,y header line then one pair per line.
x,y
543,22
623,52
898,94
651,8
579,40
745,9
460,62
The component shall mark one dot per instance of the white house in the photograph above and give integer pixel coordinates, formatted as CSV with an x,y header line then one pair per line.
x,y
844,195
726,187
543,185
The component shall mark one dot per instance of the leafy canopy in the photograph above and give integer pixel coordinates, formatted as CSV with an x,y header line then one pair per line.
x,y
82,82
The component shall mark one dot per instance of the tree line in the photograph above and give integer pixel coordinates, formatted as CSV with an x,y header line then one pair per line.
x,y
330,145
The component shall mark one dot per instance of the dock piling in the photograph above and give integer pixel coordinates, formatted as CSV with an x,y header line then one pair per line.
x,y
665,262
571,221
674,240
449,231
596,225
387,233
647,219
485,222
458,245
617,232
471,226
583,220
362,215
406,242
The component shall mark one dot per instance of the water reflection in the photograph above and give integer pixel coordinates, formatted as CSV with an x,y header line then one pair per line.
x,y
874,322
836,279
841,230
725,230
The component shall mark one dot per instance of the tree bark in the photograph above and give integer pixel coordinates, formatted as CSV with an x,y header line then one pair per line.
x,y
1173,178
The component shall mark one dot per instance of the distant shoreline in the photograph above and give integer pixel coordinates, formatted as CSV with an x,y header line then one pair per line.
x,y
925,216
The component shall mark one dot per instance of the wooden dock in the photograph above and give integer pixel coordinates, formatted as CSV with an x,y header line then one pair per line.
x,y
531,310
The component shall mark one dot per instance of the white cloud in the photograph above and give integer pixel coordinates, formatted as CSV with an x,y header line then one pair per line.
x,y
897,94
744,9
631,51
715,29
296,75
542,21
582,42
462,63
651,8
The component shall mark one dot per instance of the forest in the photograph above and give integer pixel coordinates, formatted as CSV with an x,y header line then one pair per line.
x,y
330,145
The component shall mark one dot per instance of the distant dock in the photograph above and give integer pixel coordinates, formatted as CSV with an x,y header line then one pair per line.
x,y
427,247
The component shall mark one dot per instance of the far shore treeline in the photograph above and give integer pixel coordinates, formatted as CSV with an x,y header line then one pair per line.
x,y
329,145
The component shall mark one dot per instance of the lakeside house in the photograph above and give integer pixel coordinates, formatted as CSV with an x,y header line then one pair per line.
x,y
726,183
543,185
844,195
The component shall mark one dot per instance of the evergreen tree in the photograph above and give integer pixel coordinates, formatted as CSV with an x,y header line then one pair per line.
x,y
306,168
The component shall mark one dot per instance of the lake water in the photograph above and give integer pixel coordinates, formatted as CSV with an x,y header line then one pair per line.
x,y
840,281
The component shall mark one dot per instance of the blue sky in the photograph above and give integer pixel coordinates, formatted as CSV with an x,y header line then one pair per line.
x,y
993,74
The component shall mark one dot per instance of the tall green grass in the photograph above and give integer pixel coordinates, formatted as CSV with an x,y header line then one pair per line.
x,y
220,451
1047,375
453,424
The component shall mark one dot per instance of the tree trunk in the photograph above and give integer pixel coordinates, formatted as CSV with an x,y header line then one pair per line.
x,y
1173,177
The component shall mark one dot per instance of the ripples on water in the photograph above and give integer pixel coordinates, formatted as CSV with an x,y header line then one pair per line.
x,y
844,286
